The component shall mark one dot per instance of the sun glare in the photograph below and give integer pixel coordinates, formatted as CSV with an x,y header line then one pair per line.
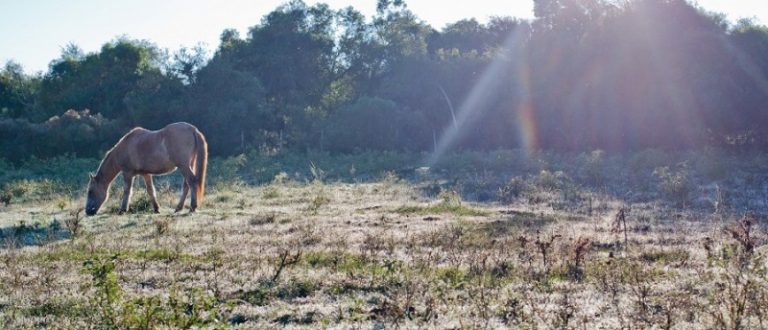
x,y
489,85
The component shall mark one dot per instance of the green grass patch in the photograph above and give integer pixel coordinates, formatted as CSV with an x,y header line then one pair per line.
x,y
340,262
296,288
259,296
77,253
452,276
161,254
665,257
461,210
63,308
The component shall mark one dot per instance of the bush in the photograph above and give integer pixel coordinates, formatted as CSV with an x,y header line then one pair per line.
x,y
75,132
676,185
226,170
111,309
512,190
552,181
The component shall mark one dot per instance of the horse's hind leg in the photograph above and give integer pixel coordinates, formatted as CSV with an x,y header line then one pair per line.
x,y
190,184
184,191
151,192
128,184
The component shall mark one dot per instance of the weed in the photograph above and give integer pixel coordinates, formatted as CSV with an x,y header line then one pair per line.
x,y
620,224
142,204
742,233
263,219
544,247
318,175
162,225
73,222
270,192
320,198
575,266
107,291
62,203
284,259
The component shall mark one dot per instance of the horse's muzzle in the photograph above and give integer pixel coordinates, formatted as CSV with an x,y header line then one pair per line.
x,y
91,209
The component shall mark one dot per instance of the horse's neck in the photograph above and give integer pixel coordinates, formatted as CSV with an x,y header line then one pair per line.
x,y
108,168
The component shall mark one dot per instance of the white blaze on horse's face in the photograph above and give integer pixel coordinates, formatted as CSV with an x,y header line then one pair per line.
x,y
97,194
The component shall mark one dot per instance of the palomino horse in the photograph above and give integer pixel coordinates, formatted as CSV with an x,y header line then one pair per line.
x,y
144,152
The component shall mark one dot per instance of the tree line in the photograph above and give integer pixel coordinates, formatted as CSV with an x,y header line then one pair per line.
x,y
581,75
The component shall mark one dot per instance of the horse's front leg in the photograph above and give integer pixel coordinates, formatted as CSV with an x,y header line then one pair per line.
x,y
151,192
128,185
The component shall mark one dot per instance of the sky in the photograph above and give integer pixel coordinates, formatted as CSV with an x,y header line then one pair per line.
x,y
33,33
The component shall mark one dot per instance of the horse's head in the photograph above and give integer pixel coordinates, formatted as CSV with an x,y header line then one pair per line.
x,y
97,194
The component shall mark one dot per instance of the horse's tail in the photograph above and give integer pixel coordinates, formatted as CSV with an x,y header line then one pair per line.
x,y
201,163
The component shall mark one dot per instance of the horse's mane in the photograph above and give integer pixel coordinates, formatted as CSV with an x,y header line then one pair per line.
x,y
112,151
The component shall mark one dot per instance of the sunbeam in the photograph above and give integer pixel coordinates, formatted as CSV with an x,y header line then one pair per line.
x,y
489,85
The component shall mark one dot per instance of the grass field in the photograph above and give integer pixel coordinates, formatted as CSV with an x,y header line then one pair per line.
x,y
485,241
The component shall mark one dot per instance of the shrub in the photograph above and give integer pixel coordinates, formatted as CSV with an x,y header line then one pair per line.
x,y
512,190
112,310
226,170
552,181
676,185
74,132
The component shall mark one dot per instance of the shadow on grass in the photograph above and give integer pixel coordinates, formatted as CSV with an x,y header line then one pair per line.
x,y
36,234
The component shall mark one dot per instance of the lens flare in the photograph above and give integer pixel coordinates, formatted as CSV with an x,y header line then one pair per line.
x,y
526,125
482,94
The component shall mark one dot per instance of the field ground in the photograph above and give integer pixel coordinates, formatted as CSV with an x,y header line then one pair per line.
x,y
540,249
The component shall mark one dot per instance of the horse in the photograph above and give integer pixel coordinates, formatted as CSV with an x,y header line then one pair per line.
x,y
147,153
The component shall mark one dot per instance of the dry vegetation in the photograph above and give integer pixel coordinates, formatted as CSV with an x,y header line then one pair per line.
x,y
390,253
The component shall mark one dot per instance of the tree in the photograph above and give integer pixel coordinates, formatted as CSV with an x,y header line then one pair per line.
x,y
188,61
17,91
101,81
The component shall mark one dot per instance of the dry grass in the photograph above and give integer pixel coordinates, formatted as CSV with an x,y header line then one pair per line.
x,y
382,255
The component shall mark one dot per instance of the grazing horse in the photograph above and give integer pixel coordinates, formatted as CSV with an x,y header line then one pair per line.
x,y
146,153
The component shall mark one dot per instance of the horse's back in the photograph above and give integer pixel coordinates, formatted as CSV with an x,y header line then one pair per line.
x,y
157,151
180,139
179,127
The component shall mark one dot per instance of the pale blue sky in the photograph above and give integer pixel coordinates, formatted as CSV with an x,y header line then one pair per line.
x,y
33,32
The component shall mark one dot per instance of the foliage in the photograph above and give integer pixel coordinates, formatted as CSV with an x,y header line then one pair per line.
x,y
450,202
309,77
512,190
113,310
375,124
675,183
78,133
